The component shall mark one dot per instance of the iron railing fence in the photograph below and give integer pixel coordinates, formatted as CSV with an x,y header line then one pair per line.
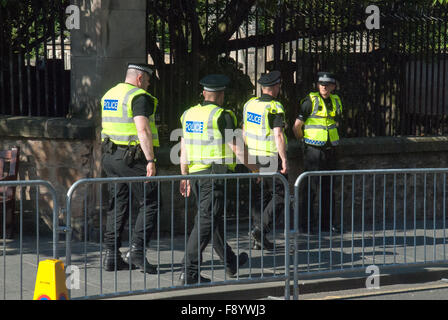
x,y
392,80
34,47
349,220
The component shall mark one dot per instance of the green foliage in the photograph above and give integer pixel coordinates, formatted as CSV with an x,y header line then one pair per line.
x,y
27,24
240,87
195,35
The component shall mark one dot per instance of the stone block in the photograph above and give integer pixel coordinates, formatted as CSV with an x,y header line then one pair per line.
x,y
132,5
117,43
111,71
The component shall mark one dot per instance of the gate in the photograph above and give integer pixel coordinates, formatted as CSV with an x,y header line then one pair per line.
x,y
167,249
19,258
386,218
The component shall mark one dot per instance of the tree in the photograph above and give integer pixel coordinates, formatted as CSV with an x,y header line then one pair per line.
x,y
197,37
27,24
195,34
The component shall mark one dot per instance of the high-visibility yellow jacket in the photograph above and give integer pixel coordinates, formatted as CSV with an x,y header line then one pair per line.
x,y
320,124
259,135
203,140
117,118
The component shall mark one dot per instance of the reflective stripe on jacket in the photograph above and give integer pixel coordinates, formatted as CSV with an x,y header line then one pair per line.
x,y
117,118
321,124
204,142
259,136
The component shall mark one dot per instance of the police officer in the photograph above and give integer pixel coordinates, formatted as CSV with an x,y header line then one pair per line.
x,y
129,135
204,150
316,126
264,123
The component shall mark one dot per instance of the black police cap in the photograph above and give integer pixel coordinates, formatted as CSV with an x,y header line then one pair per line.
x,y
214,82
142,67
326,78
270,79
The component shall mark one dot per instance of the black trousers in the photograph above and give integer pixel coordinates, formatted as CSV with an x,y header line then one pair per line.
x,y
317,159
209,222
268,205
145,218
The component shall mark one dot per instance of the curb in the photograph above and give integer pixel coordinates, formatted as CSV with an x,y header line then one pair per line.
x,y
389,275
316,283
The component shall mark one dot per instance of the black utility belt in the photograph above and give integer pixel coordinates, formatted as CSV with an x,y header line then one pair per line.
x,y
131,153
321,147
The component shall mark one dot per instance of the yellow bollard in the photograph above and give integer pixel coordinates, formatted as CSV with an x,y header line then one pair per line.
x,y
50,281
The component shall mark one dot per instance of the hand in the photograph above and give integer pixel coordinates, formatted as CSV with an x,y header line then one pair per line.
x,y
185,188
284,167
258,180
150,169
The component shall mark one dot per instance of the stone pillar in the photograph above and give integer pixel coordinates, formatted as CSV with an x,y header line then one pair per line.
x,y
112,33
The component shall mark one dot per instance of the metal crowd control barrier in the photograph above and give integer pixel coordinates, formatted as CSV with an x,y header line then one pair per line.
x,y
21,256
168,248
387,218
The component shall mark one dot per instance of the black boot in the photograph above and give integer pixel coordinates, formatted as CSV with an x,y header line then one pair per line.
x,y
137,257
257,241
190,279
232,269
111,257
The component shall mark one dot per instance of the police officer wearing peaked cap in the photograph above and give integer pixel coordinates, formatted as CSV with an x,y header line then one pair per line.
x,y
316,126
270,79
205,151
214,82
129,135
264,122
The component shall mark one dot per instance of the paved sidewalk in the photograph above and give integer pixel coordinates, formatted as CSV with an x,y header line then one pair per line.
x,y
345,257
21,263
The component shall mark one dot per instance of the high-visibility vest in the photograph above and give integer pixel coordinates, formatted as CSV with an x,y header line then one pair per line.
x,y
117,118
321,124
203,140
259,135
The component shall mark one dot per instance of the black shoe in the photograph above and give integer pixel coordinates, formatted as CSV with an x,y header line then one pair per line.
x,y
313,230
304,230
109,261
232,269
138,259
192,279
257,241
335,229
327,230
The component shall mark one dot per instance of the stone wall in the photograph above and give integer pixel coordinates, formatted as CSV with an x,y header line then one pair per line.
x,y
56,150
375,199
69,156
